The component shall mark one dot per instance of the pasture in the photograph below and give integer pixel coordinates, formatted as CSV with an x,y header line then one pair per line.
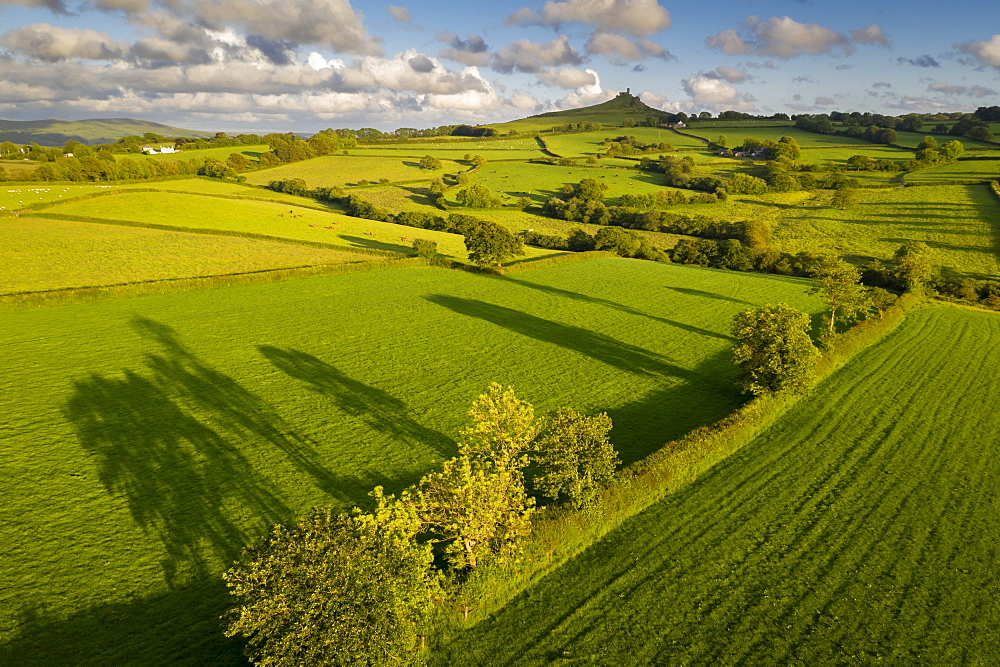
x,y
861,528
960,223
262,217
737,135
961,170
251,152
352,169
589,143
540,182
38,254
163,433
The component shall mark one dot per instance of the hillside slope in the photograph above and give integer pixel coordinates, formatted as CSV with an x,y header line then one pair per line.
x,y
56,132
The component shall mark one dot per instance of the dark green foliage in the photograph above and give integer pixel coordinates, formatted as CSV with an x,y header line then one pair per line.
x,y
773,349
359,207
430,162
424,248
490,244
617,240
574,457
914,264
331,589
477,195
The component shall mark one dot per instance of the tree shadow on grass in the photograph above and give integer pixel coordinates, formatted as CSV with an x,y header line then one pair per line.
x,y
401,247
597,346
182,626
177,441
615,305
380,410
646,424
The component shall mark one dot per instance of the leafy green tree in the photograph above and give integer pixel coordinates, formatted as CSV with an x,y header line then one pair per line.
x,y
773,349
491,244
574,457
424,248
843,198
437,187
334,589
8,148
503,427
952,150
840,285
476,511
880,299
914,264
430,162
623,242
477,161
477,195
744,184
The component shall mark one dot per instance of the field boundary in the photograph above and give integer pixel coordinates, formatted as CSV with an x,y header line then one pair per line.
x,y
222,232
560,534
89,294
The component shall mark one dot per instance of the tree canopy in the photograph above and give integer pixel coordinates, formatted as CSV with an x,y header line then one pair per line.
x,y
773,349
491,244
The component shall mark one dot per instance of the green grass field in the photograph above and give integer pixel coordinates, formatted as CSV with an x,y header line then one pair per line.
x,y
737,135
162,433
38,254
251,152
963,169
960,223
415,152
15,196
351,169
861,528
263,217
541,182
589,143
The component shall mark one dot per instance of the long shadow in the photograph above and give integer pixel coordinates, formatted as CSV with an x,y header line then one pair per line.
x,y
381,245
382,411
594,345
709,295
646,424
173,441
180,627
576,296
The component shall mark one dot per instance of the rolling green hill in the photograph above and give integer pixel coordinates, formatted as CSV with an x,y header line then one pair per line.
x,y
56,132
612,112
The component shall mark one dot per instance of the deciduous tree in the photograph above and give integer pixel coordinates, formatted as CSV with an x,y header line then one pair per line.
x,y
773,349
840,285
334,589
574,456
491,244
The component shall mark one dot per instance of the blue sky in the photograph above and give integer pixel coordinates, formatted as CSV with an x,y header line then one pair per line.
x,y
303,65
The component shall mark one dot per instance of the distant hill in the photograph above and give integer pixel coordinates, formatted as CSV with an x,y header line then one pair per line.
x,y
613,112
56,132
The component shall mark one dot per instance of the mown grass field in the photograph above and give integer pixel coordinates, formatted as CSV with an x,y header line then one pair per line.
x,y
541,182
589,143
263,217
415,152
351,169
15,196
861,528
960,223
737,135
162,433
38,254
963,169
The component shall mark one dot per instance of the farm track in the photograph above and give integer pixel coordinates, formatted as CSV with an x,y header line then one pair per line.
x,y
860,527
